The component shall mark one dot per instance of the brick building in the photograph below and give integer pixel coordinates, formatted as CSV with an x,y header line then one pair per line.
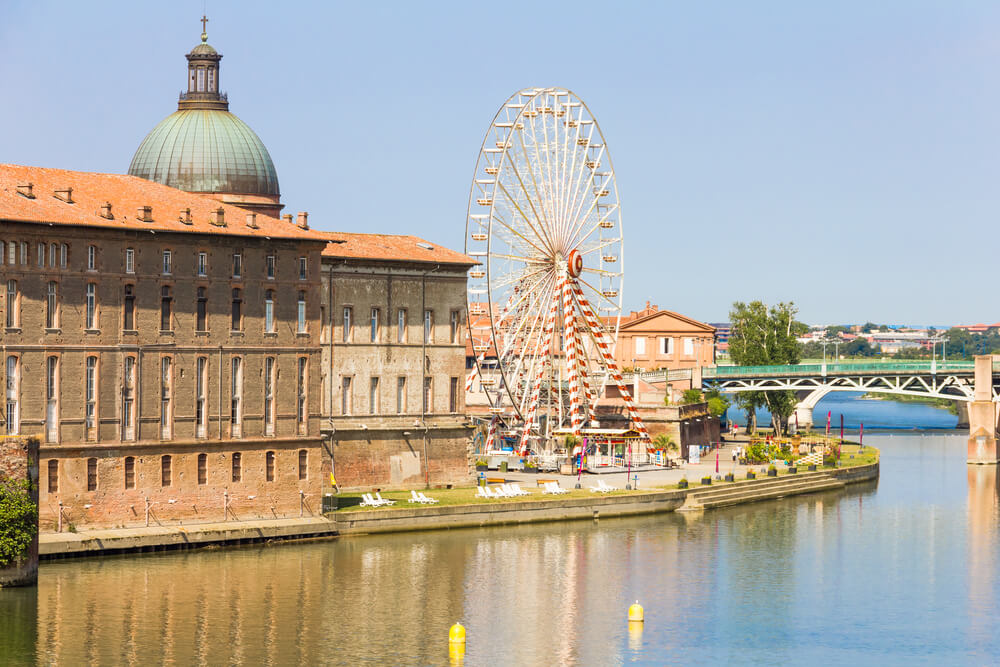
x,y
394,342
164,346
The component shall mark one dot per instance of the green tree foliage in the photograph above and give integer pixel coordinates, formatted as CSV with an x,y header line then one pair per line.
x,y
859,347
763,336
717,403
18,520
665,442
692,396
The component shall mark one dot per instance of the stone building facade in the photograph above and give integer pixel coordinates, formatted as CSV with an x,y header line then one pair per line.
x,y
163,346
394,361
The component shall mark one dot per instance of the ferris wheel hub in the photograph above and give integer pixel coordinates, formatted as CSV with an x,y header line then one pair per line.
x,y
575,263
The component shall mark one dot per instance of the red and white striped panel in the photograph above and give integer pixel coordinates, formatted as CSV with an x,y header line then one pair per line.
x,y
589,394
529,418
604,347
491,434
572,356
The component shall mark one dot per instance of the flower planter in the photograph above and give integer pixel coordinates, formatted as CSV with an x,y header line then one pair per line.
x,y
792,470
683,484
773,472
751,475
480,468
706,481
530,471
812,467
730,477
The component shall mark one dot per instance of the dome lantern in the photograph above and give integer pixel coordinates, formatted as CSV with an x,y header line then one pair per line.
x,y
203,77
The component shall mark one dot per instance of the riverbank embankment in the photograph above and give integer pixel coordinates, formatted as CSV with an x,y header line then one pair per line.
x,y
356,521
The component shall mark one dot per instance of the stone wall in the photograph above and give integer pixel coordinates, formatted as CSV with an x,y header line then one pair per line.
x,y
19,461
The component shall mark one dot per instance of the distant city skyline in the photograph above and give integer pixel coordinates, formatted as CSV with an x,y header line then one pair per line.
x,y
843,157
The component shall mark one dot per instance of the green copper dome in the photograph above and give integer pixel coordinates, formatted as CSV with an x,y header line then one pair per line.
x,y
206,150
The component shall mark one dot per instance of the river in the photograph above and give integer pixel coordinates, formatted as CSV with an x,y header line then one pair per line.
x,y
902,572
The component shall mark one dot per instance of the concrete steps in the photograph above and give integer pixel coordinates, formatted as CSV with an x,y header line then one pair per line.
x,y
769,488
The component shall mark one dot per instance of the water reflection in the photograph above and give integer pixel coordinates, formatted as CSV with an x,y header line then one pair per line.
x,y
899,572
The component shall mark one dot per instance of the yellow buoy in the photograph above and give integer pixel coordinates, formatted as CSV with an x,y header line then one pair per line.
x,y
635,613
456,635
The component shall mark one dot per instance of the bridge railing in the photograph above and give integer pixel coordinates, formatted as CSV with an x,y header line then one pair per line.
x,y
838,368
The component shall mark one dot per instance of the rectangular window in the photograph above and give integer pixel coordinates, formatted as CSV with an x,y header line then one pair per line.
x,y
428,326
301,404
201,397
128,399
269,396
237,265
13,304
400,395
91,307
202,263
373,397
24,253
129,472
666,345
168,262
345,396
128,309
301,313
201,80
236,397
688,347
12,253
92,474
202,469
303,464
53,476
12,396
640,345
269,466
269,311
401,325
237,467
165,470
453,323
63,255
53,255
201,311
237,311
269,264
90,398
166,396
92,258
348,311
52,306
453,395
373,333
52,399
166,307
41,254
129,260
428,396
303,268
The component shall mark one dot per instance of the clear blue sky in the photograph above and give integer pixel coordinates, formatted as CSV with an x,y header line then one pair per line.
x,y
840,155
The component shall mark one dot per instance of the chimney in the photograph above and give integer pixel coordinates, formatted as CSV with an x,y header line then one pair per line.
x,y
287,218
303,220
64,195
252,220
25,190
106,211
185,216
145,214
218,217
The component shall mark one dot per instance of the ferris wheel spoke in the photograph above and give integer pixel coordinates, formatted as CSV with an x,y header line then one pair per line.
x,y
524,217
541,230
569,210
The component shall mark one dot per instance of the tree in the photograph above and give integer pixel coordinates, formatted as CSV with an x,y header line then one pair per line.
x,y
18,520
692,396
717,403
859,347
763,336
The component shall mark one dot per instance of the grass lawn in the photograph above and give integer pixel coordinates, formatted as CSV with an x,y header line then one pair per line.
x,y
351,502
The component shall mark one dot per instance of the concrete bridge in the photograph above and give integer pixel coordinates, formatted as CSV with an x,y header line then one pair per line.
x,y
974,384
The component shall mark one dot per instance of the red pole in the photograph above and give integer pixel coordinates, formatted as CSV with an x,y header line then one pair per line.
x,y
628,475
716,460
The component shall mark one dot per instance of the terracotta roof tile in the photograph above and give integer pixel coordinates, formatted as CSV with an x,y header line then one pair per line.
x,y
391,247
126,194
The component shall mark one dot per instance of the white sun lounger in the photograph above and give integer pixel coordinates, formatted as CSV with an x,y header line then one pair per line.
x,y
425,499
378,496
481,492
554,488
518,491
603,486
368,501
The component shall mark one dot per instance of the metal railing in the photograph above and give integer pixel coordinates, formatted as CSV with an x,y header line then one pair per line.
x,y
839,368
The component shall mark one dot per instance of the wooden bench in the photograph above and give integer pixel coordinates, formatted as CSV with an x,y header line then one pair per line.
x,y
542,482
495,480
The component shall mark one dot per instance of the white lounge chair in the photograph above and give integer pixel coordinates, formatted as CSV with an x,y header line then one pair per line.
x,y
414,498
425,499
500,492
369,501
603,486
378,496
516,488
554,488
481,492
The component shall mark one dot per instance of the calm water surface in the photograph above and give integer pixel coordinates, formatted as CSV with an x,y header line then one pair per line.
x,y
905,572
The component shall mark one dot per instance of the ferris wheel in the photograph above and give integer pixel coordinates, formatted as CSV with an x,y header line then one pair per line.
x,y
544,221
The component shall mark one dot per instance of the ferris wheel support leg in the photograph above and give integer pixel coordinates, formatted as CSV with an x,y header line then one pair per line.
x,y
572,356
605,350
492,433
529,418
588,392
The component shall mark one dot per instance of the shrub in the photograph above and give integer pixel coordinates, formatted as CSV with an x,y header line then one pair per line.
x,y
18,520
692,396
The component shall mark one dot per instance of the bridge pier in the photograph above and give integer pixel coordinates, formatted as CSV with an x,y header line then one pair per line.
x,y
982,447
804,408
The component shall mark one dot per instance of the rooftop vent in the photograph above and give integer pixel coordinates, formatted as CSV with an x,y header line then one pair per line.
x,y
144,214
252,220
303,222
287,218
106,211
185,216
25,190
64,195
425,246
218,217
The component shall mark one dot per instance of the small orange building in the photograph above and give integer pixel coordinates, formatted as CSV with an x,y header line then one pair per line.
x,y
653,339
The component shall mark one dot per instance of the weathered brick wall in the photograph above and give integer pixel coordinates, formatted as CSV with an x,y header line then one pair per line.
x,y
113,505
19,461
